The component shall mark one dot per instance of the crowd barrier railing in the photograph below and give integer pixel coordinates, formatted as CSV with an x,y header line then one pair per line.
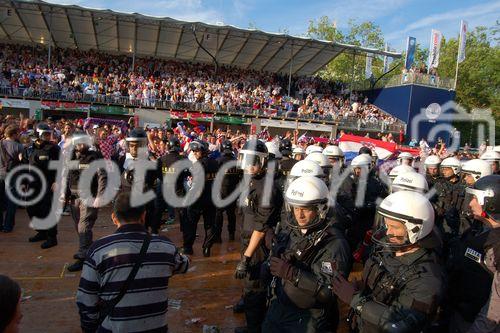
x,y
352,123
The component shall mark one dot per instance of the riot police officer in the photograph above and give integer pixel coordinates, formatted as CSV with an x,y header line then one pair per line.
x,y
83,211
335,155
403,281
287,162
166,168
431,165
39,155
469,280
471,172
204,204
132,164
229,183
306,255
447,204
492,157
258,216
358,219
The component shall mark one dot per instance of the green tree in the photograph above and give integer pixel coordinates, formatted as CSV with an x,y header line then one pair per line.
x,y
478,76
365,34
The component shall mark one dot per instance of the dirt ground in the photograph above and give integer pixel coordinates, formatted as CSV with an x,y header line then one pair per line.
x,y
203,296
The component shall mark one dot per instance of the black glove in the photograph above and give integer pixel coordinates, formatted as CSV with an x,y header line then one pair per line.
x,y
343,289
242,268
281,268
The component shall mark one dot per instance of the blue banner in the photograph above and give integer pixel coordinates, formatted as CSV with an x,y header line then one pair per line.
x,y
411,45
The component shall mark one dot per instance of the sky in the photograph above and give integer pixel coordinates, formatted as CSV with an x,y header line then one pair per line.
x,y
398,19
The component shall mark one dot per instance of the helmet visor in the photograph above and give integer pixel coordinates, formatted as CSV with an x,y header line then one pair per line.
x,y
247,160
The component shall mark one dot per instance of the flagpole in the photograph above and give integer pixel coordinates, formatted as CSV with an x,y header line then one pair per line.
x,y
458,53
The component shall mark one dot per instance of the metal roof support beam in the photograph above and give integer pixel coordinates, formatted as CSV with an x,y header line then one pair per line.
x,y
198,49
157,39
219,48
48,25
258,53
95,29
22,21
272,56
321,49
117,33
239,50
293,56
5,31
135,35
179,42
71,27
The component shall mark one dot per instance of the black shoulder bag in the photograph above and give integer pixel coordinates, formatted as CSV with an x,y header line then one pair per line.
x,y
107,306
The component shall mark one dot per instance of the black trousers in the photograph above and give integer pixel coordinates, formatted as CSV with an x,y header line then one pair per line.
x,y
41,209
201,208
231,218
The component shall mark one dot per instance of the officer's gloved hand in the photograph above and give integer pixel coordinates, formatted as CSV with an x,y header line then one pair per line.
x,y
242,268
343,288
281,268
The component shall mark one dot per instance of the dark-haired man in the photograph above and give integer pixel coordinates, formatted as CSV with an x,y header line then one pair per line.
x,y
110,262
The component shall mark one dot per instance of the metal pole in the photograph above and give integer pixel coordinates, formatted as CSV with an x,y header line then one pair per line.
x,y
290,72
133,61
352,76
50,40
456,76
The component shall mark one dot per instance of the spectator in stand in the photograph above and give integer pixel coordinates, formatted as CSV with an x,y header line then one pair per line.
x,y
89,75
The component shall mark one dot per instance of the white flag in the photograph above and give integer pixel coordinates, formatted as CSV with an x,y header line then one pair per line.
x,y
434,49
368,68
461,44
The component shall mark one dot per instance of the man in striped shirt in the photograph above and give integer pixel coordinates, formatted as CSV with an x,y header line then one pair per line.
x,y
107,266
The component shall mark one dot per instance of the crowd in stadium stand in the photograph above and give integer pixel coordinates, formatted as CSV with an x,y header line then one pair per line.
x,y
76,74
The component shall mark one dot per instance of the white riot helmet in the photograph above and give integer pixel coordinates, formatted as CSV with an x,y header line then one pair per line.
x,y
476,168
81,138
453,163
363,160
298,151
310,192
322,161
313,149
410,181
400,169
273,150
405,156
490,156
410,208
334,153
432,161
306,168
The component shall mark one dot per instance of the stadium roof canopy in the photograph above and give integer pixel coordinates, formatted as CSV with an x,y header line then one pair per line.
x,y
70,26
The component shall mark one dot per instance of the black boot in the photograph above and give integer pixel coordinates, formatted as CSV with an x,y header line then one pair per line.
x,y
76,266
217,239
50,242
206,252
40,236
186,250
